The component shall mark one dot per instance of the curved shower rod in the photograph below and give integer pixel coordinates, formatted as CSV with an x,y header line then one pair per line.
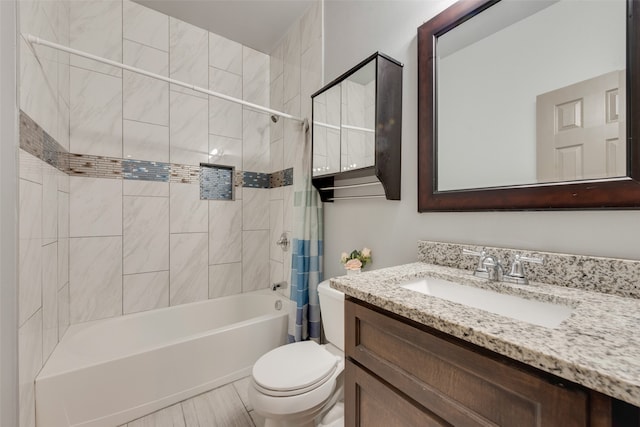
x,y
37,40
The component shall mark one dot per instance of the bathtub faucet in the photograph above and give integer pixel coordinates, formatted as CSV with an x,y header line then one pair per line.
x,y
282,285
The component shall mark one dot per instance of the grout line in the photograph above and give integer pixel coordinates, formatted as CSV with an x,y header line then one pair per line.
x,y
233,384
139,42
141,121
79,67
208,158
169,157
122,155
184,417
144,272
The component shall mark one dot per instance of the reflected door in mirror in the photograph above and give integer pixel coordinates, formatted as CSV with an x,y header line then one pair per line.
x,y
580,130
490,70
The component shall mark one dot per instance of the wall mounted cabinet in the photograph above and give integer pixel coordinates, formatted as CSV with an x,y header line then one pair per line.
x,y
357,130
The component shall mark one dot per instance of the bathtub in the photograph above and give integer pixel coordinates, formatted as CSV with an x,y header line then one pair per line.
x,y
108,372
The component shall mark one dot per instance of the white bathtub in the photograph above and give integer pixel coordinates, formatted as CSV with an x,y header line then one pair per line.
x,y
108,372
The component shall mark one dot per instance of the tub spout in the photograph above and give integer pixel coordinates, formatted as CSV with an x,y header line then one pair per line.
x,y
279,285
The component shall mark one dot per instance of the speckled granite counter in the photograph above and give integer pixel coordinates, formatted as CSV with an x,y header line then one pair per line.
x,y
598,346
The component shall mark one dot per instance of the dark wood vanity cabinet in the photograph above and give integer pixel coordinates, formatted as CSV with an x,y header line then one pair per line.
x,y
401,373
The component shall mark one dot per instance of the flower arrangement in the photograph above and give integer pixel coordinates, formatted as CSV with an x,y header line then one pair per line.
x,y
356,259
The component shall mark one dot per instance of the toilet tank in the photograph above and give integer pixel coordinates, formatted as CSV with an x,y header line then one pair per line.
x,y
332,311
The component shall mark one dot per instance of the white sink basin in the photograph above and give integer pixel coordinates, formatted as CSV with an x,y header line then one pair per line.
x,y
539,313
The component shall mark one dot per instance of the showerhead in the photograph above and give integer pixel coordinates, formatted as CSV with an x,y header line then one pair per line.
x,y
274,118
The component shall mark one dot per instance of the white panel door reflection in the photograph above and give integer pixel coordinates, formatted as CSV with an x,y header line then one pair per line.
x,y
581,130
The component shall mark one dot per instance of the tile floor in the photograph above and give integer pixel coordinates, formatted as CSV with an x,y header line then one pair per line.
x,y
226,406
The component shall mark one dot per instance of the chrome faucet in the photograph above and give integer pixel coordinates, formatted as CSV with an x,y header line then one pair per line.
x,y
495,272
283,242
489,267
279,285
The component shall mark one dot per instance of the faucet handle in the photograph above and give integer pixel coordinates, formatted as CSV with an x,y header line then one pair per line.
x,y
481,269
517,273
531,259
474,253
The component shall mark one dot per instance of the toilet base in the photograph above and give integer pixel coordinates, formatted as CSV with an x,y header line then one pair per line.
x,y
314,416
280,423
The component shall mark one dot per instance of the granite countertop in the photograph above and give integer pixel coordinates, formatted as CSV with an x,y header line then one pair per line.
x,y
598,346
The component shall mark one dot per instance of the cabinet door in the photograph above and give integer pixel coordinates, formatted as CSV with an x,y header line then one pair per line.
x,y
358,135
326,132
456,381
374,404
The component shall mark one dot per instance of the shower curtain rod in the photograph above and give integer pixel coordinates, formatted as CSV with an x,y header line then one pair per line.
x,y
37,40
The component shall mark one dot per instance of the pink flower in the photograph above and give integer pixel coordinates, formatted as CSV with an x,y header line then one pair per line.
x,y
353,264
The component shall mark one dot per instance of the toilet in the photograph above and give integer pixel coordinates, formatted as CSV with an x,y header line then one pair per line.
x,y
301,384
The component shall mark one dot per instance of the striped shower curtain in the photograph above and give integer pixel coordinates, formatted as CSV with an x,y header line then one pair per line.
x,y
307,252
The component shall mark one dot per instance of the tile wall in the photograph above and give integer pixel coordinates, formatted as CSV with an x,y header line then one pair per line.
x,y
43,288
101,233
147,242
296,73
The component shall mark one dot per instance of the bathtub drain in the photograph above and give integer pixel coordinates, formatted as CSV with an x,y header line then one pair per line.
x,y
279,305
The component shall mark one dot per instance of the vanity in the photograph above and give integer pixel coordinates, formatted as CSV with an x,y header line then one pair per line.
x,y
414,359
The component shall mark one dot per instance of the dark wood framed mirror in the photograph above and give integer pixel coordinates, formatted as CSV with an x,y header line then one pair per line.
x,y
620,192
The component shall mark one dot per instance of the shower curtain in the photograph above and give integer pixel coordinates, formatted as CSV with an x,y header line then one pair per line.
x,y
307,252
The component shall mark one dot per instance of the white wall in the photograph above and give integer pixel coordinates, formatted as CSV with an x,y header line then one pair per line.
x,y
8,217
354,30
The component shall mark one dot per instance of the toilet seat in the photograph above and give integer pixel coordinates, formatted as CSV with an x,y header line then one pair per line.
x,y
294,369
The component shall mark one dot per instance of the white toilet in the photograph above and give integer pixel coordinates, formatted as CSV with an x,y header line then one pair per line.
x,y
296,384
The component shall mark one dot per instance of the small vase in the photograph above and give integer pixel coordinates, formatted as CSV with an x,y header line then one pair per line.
x,y
353,272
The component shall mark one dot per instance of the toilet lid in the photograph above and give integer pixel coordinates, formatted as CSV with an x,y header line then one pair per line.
x,y
294,367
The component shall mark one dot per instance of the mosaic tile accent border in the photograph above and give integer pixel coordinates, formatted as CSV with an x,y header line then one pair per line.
x,y
238,179
216,182
606,275
146,171
36,141
184,174
281,178
93,166
255,180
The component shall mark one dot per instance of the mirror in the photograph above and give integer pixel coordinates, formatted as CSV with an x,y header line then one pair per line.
x,y
326,132
344,123
524,106
358,118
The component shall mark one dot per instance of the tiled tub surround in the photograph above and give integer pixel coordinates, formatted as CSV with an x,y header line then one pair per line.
x,y
110,197
597,346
